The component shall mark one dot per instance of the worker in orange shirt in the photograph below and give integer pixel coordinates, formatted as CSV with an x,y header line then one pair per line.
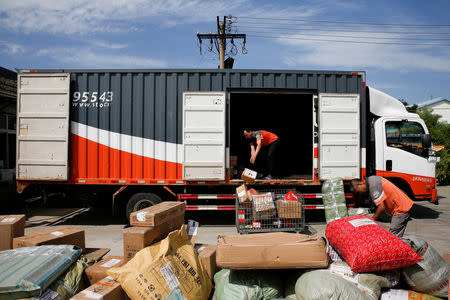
x,y
267,139
387,197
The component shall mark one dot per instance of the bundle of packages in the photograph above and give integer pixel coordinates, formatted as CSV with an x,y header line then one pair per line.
x,y
248,285
367,246
333,198
29,271
263,206
162,267
429,276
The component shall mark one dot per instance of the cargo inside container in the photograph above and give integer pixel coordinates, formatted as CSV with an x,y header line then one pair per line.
x,y
288,115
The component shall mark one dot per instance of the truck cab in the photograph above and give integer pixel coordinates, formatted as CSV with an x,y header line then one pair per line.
x,y
400,147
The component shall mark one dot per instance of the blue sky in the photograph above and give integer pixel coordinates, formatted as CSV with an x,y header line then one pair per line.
x,y
162,34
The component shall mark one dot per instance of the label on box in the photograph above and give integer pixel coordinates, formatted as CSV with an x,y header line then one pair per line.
x,y
91,294
111,263
169,276
193,227
362,222
241,194
199,248
8,220
140,216
256,224
57,233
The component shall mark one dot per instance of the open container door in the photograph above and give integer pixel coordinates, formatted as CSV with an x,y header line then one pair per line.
x,y
339,136
204,136
43,126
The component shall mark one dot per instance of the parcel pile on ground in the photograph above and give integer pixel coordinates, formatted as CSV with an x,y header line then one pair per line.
x,y
357,259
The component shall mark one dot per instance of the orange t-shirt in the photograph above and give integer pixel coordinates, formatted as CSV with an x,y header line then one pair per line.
x,y
265,137
394,199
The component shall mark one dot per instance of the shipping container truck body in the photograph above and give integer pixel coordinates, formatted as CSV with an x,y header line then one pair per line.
x,y
144,130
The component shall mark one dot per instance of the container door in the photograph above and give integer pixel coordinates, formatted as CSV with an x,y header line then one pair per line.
x,y
42,126
339,136
204,136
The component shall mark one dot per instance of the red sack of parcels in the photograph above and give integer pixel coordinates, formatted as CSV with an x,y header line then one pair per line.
x,y
367,246
291,196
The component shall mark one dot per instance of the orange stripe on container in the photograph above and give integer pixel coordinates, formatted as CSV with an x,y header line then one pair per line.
x,y
119,165
316,152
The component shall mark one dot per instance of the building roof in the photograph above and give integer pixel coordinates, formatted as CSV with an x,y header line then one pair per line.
x,y
8,83
432,101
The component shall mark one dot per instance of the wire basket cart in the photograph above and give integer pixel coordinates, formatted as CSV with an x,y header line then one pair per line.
x,y
270,212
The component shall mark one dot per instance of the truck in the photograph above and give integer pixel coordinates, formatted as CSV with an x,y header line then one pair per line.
x,y
139,136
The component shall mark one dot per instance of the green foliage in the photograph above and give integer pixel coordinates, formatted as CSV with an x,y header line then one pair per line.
x,y
440,135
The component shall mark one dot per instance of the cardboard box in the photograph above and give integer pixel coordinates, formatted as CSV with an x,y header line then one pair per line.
x,y
137,238
11,226
275,250
249,176
263,206
105,289
97,271
157,214
242,194
289,209
56,236
207,257
95,254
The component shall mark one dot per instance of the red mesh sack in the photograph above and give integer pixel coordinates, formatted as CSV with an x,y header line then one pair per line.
x,y
367,246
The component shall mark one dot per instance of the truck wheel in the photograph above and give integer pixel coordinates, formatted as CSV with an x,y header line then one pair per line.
x,y
140,201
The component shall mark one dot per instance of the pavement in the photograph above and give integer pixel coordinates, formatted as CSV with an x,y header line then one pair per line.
x,y
432,223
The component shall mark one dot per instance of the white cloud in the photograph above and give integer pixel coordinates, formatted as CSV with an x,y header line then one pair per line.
x,y
11,48
87,16
92,58
401,58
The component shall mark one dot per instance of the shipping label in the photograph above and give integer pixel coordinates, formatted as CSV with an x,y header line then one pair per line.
x,y
110,263
362,222
57,233
140,216
8,220
169,277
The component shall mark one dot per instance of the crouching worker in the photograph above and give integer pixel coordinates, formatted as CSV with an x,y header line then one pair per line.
x,y
387,197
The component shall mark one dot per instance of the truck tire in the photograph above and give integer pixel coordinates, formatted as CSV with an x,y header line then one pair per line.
x,y
140,201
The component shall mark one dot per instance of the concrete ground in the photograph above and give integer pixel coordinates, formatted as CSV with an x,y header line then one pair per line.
x,y
432,223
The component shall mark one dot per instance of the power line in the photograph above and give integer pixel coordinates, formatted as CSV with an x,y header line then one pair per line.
x,y
343,31
356,37
344,41
345,22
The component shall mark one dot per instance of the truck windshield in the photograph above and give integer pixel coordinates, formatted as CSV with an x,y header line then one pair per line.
x,y
406,136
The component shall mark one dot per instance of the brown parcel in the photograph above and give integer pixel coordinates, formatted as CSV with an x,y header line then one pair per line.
x,y
263,206
289,209
275,250
242,193
105,289
97,271
157,214
207,257
11,226
137,238
56,236
249,176
158,269
96,254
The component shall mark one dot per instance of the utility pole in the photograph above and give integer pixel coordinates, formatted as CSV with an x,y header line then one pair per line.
x,y
222,36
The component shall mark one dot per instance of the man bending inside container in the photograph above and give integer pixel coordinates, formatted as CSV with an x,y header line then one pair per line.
x,y
263,139
386,196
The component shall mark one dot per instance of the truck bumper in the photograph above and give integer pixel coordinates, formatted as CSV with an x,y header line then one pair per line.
x,y
433,195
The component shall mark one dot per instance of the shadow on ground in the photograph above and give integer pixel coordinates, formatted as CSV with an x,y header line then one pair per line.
x,y
423,212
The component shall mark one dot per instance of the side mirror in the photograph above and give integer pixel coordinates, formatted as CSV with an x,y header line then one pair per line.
x,y
426,141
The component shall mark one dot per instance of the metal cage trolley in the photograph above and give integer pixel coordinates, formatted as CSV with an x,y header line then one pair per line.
x,y
271,211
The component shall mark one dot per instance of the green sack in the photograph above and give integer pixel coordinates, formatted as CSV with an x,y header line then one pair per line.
x,y
71,283
248,285
333,198
322,285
